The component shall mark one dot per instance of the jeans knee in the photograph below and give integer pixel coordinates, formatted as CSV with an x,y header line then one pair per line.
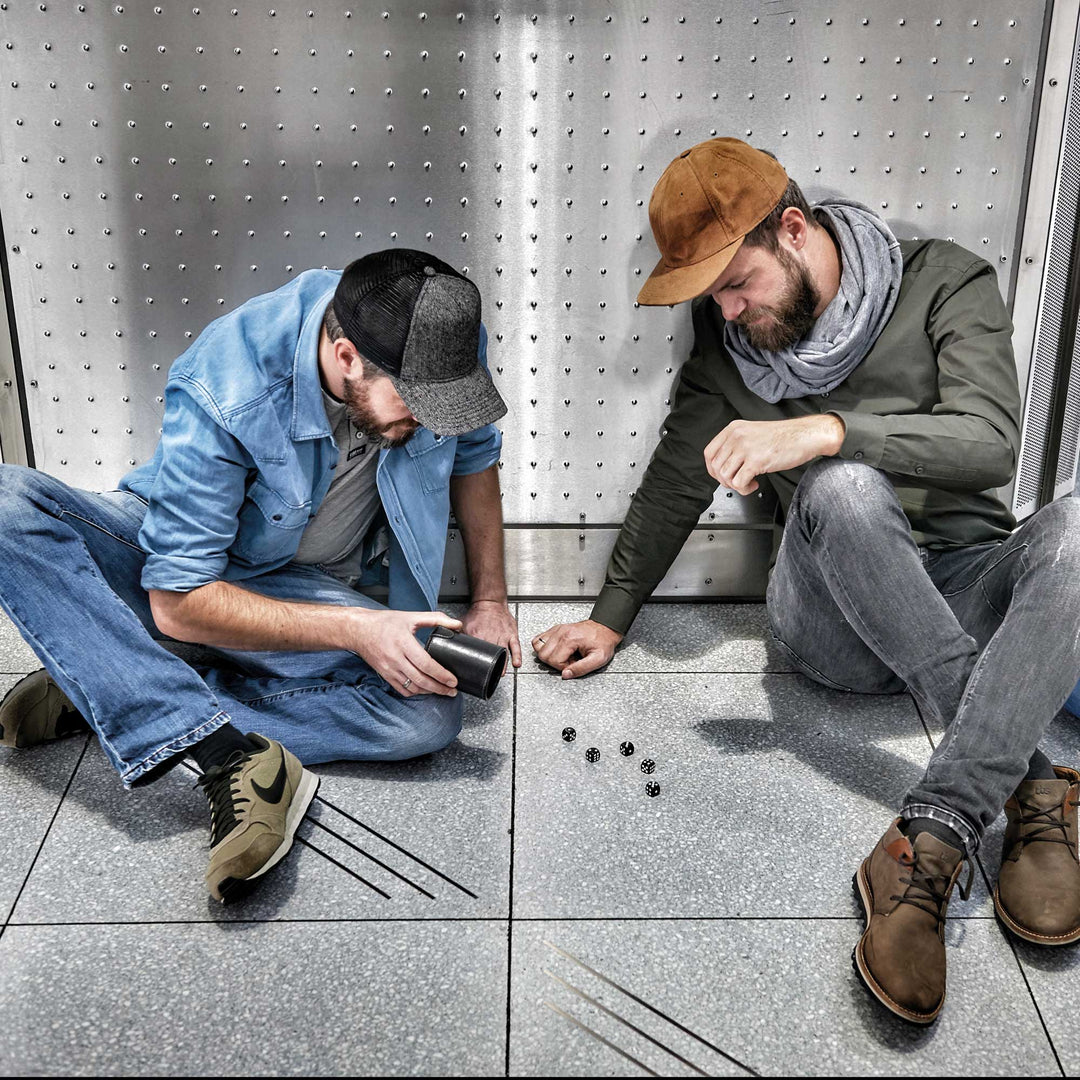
x,y
434,723
844,489
20,488
1057,543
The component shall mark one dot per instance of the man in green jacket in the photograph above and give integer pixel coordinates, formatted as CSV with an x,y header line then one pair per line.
x,y
872,383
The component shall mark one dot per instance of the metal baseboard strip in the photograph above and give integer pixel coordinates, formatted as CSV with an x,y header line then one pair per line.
x,y
569,564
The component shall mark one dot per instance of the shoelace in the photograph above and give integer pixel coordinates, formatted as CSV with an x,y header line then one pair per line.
x,y
921,879
1031,814
217,785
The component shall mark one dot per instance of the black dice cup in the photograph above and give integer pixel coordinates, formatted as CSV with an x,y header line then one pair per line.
x,y
476,664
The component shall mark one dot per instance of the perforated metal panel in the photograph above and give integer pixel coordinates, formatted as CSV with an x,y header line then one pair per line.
x,y
162,163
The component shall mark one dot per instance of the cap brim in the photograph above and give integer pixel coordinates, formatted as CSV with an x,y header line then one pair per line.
x,y
676,284
454,407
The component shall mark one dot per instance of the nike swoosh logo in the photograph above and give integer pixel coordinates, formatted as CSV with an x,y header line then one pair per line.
x,y
274,792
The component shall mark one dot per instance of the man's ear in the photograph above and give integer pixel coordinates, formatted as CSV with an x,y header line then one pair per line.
x,y
348,359
794,228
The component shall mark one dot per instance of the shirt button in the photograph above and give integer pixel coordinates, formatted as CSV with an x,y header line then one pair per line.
x,y
858,455
826,394
919,470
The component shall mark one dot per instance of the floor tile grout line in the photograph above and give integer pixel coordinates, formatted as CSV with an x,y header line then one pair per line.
x,y
1034,1001
470,918
510,882
552,674
48,829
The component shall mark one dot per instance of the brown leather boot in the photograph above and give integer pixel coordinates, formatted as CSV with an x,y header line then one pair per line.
x,y
1038,890
905,890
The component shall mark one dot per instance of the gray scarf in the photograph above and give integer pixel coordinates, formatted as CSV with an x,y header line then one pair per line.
x,y
847,329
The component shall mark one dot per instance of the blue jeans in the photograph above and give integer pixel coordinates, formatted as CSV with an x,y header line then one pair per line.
x,y
986,638
70,566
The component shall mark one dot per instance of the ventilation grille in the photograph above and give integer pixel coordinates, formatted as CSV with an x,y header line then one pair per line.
x,y
1050,322
1070,430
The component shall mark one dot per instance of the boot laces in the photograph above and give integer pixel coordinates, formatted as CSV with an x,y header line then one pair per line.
x,y
1030,814
225,803
930,898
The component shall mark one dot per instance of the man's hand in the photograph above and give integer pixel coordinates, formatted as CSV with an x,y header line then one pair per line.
x,y
387,641
746,449
492,621
593,642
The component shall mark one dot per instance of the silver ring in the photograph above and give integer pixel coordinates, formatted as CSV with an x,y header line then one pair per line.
x,y
406,684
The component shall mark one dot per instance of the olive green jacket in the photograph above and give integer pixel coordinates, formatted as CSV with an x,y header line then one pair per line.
x,y
935,405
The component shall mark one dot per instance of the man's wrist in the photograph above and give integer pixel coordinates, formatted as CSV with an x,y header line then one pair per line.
x,y
488,600
835,433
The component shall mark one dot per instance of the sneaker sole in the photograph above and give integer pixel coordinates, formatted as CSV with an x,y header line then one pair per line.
x,y
858,960
233,889
1029,935
26,697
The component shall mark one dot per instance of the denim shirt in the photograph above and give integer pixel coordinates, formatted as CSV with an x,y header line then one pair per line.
x,y
246,456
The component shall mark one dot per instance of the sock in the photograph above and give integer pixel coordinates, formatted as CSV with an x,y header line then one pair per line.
x,y
935,828
1040,767
218,746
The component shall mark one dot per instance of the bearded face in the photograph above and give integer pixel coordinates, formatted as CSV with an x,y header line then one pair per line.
x,y
781,325
363,399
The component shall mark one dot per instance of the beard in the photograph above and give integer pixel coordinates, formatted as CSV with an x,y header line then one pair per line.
x,y
357,398
788,321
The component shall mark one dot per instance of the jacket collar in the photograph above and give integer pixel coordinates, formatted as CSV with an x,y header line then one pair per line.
x,y
309,419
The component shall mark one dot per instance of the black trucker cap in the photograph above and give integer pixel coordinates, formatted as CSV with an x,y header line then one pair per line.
x,y
418,320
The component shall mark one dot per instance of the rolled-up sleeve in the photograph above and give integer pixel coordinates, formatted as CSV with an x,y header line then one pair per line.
x,y
195,500
970,439
480,449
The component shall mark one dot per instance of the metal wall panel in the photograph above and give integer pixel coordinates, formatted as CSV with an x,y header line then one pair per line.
x,y
1044,322
161,163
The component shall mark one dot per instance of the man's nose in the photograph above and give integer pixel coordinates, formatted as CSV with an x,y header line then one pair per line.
x,y
731,306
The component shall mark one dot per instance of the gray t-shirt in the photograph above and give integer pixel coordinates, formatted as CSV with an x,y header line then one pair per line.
x,y
334,539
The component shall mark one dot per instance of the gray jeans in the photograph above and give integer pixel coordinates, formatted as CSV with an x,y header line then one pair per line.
x,y
986,638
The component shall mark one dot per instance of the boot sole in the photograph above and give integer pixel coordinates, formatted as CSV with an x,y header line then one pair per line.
x,y
1029,935
858,960
233,889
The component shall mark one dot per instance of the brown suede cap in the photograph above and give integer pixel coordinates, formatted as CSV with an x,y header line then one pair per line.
x,y
703,205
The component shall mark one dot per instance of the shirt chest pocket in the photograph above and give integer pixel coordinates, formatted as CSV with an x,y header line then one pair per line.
x,y
270,527
433,458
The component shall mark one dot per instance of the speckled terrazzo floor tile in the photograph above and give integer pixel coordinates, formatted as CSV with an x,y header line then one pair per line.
x,y
141,855
1054,975
412,998
15,655
773,789
777,996
671,637
32,782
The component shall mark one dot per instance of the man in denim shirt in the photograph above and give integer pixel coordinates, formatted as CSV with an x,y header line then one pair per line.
x,y
298,464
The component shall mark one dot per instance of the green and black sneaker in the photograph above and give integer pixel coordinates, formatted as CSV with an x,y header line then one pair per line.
x,y
36,710
257,800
